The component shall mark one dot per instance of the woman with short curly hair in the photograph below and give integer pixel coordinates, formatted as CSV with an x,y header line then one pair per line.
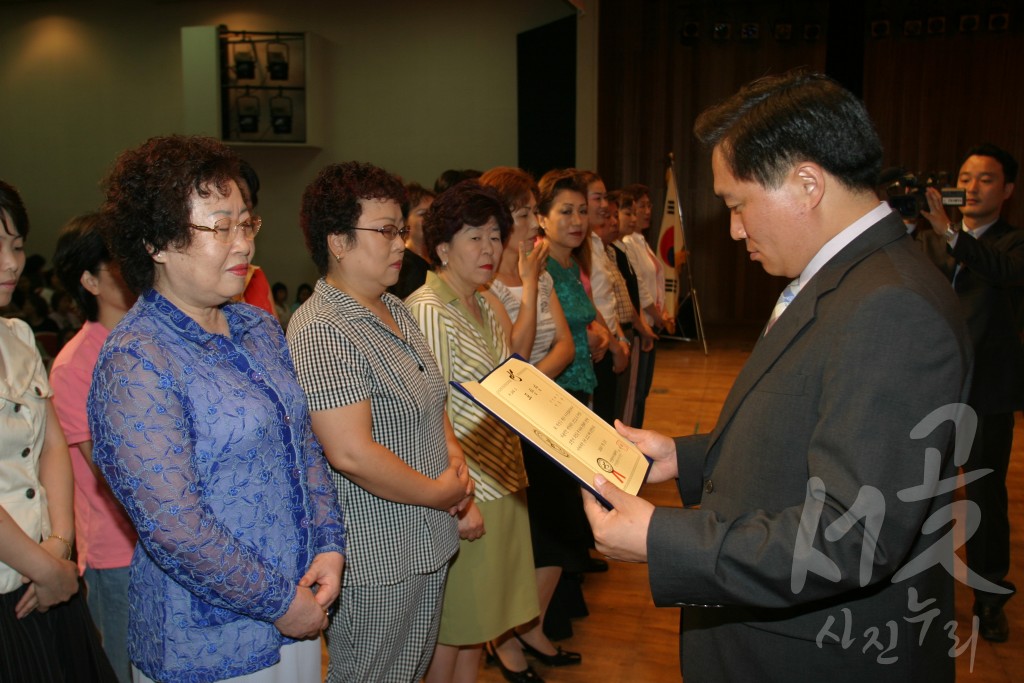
x,y
203,433
378,405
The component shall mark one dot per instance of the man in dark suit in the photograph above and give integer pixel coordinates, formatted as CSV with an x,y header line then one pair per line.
x,y
825,489
984,259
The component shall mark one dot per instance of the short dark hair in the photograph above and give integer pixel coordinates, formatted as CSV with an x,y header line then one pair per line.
x,y
466,203
330,204
56,299
80,248
1005,159
414,194
38,303
11,204
279,287
615,197
625,199
513,185
776,121
149,198
35,265
636,191
454,176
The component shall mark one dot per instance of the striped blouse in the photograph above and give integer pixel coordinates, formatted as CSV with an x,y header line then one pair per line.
x,y
467,350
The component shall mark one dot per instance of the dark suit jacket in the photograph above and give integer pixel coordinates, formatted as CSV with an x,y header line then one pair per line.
x,y
989,288
827,401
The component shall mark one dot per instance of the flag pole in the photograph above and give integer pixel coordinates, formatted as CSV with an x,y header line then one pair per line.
x,y
676,246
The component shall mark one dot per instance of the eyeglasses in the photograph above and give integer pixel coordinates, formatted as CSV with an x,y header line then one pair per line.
x,y
225,229
389,231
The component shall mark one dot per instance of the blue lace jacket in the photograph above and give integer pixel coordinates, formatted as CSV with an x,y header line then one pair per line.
x,y
206,441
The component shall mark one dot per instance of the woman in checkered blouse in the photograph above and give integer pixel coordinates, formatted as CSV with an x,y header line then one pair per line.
x,y
378,407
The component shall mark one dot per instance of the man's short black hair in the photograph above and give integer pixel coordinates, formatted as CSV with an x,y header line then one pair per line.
x,y
1005,159
454,176
777,121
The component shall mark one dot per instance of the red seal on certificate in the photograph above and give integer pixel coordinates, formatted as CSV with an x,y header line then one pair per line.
x,y
607,467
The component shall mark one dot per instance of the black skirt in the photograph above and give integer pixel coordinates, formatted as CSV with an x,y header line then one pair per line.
x,y
60,645
558,526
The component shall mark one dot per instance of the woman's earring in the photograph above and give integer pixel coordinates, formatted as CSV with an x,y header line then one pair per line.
x,y
337,257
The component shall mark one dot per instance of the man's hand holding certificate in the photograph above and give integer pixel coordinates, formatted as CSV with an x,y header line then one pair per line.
x,y
621,533
561,427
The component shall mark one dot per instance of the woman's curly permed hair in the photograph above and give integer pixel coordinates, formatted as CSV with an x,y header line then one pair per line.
x,y
149,195
462,204
330,204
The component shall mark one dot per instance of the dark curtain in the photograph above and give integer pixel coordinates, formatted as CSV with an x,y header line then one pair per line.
x,y
545,67
661,63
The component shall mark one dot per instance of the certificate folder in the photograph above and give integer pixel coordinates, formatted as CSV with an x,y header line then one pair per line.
x,y
562,428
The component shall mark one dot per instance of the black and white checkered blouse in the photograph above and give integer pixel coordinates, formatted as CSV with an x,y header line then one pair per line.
x,y
345,354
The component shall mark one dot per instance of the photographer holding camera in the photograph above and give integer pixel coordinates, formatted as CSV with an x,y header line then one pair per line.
x,y
984,260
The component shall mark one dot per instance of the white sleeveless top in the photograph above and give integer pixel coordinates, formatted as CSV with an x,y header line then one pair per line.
x,y
512,298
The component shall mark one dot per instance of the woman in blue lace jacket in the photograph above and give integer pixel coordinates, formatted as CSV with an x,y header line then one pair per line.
x,y
203,433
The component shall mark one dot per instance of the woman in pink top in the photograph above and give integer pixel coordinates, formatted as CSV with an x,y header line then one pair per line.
x,y
105,537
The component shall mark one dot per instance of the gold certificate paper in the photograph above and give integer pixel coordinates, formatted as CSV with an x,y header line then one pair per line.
x,y
561,427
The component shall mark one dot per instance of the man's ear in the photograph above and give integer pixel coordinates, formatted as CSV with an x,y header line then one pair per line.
x,y
1007,191
811,181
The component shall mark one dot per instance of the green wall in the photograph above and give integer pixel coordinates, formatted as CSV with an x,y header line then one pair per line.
x,y
413,86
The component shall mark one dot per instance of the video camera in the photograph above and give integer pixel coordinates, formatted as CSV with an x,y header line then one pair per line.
x,y
905,192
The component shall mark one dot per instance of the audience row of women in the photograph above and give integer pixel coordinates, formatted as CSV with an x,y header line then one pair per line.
x,y
264,476
606,250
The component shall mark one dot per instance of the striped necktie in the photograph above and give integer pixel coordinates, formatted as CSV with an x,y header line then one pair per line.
x,y
788,294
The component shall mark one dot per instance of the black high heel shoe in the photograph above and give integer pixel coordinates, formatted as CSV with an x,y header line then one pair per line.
x,y
560,658
527,675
